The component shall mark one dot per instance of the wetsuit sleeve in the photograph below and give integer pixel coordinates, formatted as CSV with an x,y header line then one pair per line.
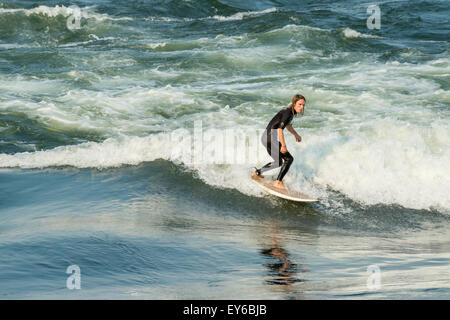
x,y
285,118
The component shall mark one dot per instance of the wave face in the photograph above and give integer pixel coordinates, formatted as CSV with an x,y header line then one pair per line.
x,y
106,84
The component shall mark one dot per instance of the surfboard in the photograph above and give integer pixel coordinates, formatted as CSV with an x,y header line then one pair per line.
x,y
267,185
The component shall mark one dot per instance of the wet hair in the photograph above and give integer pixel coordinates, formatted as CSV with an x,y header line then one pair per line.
x,y
295,98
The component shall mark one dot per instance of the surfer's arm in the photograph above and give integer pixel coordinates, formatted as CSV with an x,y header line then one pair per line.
x,y
292,130
281,138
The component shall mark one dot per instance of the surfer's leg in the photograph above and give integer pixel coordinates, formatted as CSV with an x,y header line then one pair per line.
x,y
269,166
287,161
269,143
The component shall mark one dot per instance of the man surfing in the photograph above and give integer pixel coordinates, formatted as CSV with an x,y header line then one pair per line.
x,y
273,139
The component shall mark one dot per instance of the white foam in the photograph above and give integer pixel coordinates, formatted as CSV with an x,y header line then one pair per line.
x,y
85,12
133,111
242,15
16,46
110,153
129,151
155,45
293,28
350,33
393,163
167,19
93,37
234,17
27,85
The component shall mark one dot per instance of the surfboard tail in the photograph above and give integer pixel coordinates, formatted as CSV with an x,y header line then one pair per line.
x,y
267,185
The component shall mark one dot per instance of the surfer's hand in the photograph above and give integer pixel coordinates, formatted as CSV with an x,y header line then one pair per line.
x,y
298,138
283,149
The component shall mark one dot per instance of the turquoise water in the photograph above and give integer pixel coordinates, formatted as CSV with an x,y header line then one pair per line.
x,y
92,92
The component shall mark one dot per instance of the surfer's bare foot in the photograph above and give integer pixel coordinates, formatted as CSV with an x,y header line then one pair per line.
x,y
278,184
254,175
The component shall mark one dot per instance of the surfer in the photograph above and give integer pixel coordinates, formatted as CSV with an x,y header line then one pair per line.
x,y
273,139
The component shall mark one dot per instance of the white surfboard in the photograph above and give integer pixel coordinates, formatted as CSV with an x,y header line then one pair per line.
x,y
267,185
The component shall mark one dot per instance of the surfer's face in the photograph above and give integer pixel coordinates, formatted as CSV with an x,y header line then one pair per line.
x,y
299,105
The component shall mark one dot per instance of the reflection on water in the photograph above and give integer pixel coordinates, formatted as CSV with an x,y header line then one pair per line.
x,y
282,272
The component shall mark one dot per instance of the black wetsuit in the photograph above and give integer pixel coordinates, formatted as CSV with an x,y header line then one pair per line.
x,y
270,141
